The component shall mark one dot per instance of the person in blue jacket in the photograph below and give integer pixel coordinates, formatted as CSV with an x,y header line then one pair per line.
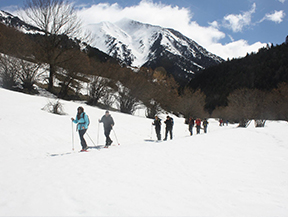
x,y
82,122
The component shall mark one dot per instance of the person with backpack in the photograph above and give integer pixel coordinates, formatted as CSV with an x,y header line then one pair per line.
x,y
190,125
198,125
157,124
82,122
169,126
108,124
205,125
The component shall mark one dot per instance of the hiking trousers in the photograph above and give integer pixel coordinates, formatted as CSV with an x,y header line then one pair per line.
x,y
168,130
81,135
107,135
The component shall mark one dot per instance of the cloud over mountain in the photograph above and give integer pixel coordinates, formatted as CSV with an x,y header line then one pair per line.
x,y
180,19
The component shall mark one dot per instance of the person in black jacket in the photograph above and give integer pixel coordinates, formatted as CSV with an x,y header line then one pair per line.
x,y
205,125
157,124
190,123
169,126
108,124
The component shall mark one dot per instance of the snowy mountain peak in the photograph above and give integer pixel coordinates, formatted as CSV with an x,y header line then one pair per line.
x,y
138,44
13,21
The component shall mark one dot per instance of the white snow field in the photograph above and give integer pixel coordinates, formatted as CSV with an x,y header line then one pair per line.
x,y
227,172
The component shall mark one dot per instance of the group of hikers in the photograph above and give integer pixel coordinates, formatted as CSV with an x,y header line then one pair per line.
x,y
221,122
191,122
82,121
169,126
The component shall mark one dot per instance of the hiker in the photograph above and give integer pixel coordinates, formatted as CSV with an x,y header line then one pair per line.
x,y
108,124
221,122
205,125
190,125
82,122
198,125
157,124
169,126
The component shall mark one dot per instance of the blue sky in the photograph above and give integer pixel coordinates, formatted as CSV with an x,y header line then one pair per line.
x,y
224,27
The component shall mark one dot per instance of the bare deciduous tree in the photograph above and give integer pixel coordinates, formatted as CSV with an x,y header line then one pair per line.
x,y
16,71
8,71
54,17
57,19
153,108
277,103
127,102
247,104
98,88
191,104
28,74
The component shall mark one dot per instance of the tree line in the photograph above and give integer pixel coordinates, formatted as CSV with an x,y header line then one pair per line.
x,y
252,87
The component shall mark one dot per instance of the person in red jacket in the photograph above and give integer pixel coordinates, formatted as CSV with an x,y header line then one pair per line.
x,y
198,125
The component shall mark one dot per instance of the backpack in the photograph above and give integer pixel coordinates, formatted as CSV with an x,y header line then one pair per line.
x,y
87,118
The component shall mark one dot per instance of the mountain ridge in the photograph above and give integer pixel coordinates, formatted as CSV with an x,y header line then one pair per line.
x,y
138,44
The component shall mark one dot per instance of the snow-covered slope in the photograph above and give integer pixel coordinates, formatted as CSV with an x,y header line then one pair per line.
x,y
227,172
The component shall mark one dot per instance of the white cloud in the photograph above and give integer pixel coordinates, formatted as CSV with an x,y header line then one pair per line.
x,y
282,1
276,17
237,22
235,49
215,24
145,11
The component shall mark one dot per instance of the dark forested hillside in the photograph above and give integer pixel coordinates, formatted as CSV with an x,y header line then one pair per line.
x,y
263,70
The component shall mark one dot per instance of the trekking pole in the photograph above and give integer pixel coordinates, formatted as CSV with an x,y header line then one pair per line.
x,y
151,131
98,133
115,136
72,137
90,139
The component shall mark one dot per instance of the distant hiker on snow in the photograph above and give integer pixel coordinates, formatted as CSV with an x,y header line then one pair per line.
x,y
190,125
205,125
198,125
82,122
221,123
157,124
169,127
108,124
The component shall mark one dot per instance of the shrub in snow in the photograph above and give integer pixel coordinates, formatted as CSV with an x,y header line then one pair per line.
x,y
54,107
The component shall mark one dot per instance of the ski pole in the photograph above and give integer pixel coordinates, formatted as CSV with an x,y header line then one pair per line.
x,y
98,133
72,137
90,139
115,136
